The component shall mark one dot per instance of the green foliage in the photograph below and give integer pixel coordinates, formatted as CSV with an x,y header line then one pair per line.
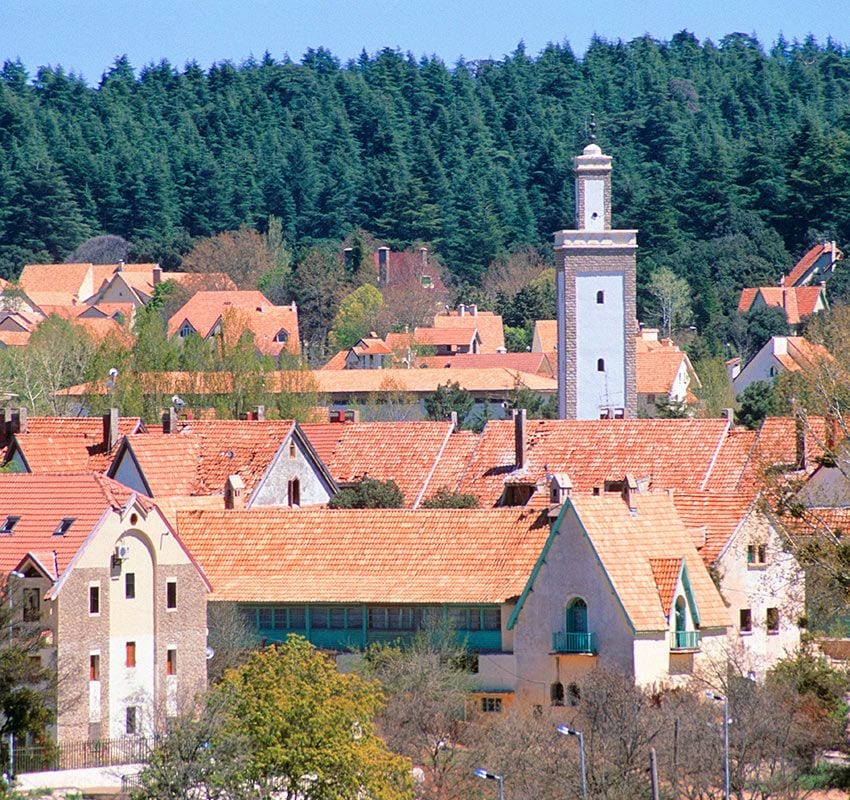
x,y
809,674
517,340
763,323
447,398
535,404
369,493
357,316
445,498
757,401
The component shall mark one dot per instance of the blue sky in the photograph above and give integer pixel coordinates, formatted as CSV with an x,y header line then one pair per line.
x,y
87,35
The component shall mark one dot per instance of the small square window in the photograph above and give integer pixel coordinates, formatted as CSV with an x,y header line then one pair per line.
x,y
64,526
94,667
131,721
171,661
32,604
130,585
756,554
293,449
130,654
171,594
9,524
94,599
773,620
746,620
491,705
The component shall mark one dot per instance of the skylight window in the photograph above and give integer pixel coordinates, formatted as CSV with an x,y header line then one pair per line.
x,y
64,526
9,524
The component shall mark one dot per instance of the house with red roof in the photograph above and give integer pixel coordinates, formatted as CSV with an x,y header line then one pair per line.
x,y
802,292
542,596
664,374
118,600
778,355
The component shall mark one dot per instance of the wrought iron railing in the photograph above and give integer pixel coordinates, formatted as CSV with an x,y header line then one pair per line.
x,y
685,640
572,642
82,754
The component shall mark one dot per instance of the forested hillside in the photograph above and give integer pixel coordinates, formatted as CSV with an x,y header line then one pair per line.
x,y
730,158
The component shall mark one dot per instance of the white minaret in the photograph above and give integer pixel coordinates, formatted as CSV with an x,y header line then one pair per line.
x,y
596,301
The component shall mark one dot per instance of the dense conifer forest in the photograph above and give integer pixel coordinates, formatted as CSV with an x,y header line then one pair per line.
x,y
731,158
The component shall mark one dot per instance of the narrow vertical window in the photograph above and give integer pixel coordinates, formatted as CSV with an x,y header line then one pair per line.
x,y
94,599
131,721
293,449
171,594
746,620
171,661
94,667
130,660
600,297
600,365
130,585
294,491
773,620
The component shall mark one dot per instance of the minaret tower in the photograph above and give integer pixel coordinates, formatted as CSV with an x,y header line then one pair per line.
x,y
596,269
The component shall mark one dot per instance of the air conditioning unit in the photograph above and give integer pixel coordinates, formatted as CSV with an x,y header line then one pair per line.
x,y
122,552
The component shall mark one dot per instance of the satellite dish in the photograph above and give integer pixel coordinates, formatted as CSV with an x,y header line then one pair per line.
x,y
210,653
113,373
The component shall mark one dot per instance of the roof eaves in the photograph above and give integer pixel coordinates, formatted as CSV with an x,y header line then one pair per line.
x,y
60,580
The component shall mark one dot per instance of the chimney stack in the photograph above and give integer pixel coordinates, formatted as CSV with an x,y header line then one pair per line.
x,y
519,437
169,421
423,255
260,413
801,442
729,415
157,275
233,493
630,492
20,425
110,428
453,418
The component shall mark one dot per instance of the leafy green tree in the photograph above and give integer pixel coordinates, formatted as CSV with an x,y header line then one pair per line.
x,y
358,315
672,296
447,398
369,493
444,498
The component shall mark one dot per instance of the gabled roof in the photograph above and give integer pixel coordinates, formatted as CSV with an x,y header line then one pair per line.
x,y
371,346
537,363
796,301
490,328
656,370
42,501
826,252
406,452
672,453
719,514
56,284
545,338
366,556
446,336
666,572
203,454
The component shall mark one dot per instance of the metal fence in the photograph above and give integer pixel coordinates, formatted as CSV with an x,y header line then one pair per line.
x,y
80,755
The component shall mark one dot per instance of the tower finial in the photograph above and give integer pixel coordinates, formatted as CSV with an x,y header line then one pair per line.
x,y
592,127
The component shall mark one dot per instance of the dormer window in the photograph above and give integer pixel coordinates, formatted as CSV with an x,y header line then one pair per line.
x,y
281,337
9,524
600,297
64,526
185,330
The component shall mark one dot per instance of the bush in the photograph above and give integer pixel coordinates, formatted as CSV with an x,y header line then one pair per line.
x,y
369,493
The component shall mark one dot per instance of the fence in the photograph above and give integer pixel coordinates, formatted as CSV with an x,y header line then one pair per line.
x,y
80,755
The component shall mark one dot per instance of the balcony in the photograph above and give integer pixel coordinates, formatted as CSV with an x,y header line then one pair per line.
x,y
684,640
570,642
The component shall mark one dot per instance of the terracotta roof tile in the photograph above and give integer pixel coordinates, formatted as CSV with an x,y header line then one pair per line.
x,y
366,556
459,336
452,463
666,574
489,326
657,370
537,363
546,335
808,261
731,461
718,514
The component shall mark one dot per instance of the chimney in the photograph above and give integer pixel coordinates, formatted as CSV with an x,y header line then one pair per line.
x,y
630,492
7,426
649,334
473,309
560,488
110,428
169,421
20,425
293,308
260,413
461,310
453,419
832,431
120,267
156,275
800,442
729,415
423,256
348,257
233,489
519,437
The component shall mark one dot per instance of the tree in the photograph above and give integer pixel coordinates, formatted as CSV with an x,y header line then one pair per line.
x,y
369,493
242,254
672,296
357,316
757,401
105,249
310,729
446,399
445,498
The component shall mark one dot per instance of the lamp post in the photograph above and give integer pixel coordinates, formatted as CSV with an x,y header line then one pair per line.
x,y
491,776
567,731
725,700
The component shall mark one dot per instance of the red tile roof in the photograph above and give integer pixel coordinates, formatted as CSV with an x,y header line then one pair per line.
x,y
808,261
42,501
656,370
719,514
538,363
672,453
489,326
796,301
666,574
731,461
460,336
546,335
366,556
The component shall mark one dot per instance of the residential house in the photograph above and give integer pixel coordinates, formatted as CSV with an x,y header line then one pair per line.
x,y
490,328
408,270
274,328
540,599
781,354
120,601
759,577
797,294
665,374
443,341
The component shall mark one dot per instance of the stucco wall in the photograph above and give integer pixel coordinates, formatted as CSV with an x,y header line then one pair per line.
x,y
274,489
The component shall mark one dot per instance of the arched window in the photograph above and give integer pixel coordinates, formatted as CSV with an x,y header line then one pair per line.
x,y
577,616
600,297
681,622
556,694
573,694
600,365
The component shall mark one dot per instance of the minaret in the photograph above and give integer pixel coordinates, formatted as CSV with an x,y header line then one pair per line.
x,y
596,300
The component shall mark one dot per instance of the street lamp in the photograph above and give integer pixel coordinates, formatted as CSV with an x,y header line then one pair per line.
x,y
725,700
491,776
567,731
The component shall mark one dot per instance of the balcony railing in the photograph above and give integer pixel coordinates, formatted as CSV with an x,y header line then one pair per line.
x,y
685,640
570,642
